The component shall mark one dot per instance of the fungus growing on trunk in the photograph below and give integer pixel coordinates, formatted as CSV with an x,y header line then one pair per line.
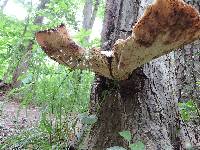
x,y
165,26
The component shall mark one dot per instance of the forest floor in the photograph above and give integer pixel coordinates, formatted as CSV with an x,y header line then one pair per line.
x,y
14,118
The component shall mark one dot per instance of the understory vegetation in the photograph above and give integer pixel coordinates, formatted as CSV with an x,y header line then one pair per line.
x,y
32,80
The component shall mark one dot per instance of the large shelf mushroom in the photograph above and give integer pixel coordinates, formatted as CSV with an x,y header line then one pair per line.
x,y
165,26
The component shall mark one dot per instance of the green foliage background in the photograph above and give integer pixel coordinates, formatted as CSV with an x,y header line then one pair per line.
x,y
56,89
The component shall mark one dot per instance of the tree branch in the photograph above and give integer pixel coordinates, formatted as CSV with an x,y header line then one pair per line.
x,y
165,25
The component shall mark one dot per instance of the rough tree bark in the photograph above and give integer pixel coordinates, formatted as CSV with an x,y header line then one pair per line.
x,y
187,68
142,102
146,103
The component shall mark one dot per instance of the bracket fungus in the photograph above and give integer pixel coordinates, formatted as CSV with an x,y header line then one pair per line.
x,y
165,26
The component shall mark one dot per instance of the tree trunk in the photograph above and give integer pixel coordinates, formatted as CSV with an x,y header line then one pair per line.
x,y
22,67
145,103
89,14
187,69
4,3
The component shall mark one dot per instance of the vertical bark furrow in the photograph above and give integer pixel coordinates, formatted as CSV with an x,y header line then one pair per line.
x,y
147,102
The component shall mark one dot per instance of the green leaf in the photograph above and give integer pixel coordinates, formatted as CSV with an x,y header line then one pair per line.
x,y
116,148
126,135
88,119
45,124
137,146
27,79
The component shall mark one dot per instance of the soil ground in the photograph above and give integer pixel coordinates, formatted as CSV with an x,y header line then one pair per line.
x,y
13,117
